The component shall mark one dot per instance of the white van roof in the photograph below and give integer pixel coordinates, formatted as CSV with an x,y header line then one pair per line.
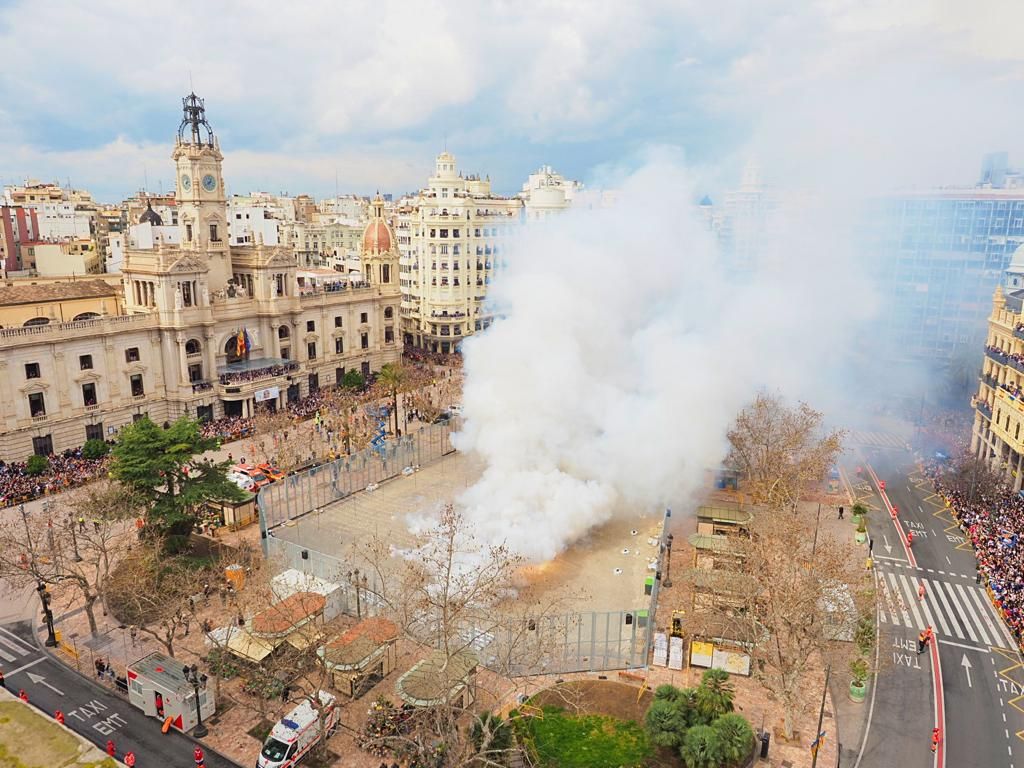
x,y
300,718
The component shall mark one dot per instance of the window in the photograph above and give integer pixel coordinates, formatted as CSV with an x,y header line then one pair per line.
x,y
214,237
283,332
89,394
389,335
339,375
42,446
364,341
193,347
311,350
195,372
85,362
385,273
310,326
455,233
365,368
444,233
286,353
188,233
93,431
131,355
339,346
31,370
314,382
389,312
364,317
138,389
36,404
337,321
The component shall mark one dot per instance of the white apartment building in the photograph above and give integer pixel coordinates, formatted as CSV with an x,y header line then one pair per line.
x,y
457,229
547,192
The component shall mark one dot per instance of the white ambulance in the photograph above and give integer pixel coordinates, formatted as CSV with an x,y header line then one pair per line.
x,y
297,733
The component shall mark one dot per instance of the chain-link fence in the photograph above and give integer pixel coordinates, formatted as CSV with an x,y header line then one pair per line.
x,y
301,493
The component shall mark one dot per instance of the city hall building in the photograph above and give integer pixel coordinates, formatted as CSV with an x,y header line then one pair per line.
x,y
196,326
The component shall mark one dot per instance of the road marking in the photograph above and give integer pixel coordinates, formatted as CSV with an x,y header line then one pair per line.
x,y
977,648
966,664
18,640
902,603
986,615
39,679
947,611
893,559
26,666
929,586
958,606
948,561
912,601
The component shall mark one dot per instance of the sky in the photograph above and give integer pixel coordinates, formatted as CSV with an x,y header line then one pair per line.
x,y
313,96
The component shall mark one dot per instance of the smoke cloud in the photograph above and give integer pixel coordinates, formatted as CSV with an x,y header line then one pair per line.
x,y
625,348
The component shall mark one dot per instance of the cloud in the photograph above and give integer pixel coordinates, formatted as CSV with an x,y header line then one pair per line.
x,y
591,80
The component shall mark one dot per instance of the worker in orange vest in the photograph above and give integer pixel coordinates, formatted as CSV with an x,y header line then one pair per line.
x,y
198,755
22,695
129,759
936,738
59,717
111,749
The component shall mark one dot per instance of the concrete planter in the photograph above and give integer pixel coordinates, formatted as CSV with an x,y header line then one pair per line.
x,y
860,537
858,692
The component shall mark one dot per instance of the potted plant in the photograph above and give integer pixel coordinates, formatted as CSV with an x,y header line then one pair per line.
x,y
858,513
862,532
858,679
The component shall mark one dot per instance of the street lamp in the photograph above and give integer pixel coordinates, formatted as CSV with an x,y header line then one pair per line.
x,y
198,680
360,584
44,598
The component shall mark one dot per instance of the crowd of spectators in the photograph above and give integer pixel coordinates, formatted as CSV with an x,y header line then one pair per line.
x,y
64,471
994,522
239,377
1012,358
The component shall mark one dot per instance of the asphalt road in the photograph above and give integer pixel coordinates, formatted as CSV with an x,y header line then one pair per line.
x,y
981,674
90,709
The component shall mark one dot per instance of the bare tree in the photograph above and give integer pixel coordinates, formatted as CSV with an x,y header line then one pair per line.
x,y
76,545
780,450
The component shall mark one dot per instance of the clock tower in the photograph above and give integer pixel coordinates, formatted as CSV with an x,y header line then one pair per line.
x,y
202,208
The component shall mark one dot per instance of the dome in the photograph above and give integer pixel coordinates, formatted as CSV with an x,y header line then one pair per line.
x,y
377,237
149,216
1017,261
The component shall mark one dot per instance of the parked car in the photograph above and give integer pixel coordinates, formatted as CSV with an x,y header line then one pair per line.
x,y
244,482
271,471
252,472
297,733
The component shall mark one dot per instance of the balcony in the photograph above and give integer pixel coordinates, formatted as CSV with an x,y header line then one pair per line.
x,y
994,353
38,417
1019,332
137,396
983,408
201,386
257,373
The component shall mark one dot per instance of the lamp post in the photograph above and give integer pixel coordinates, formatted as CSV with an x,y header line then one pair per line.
x,y
359,583
44,598
197,680
667,581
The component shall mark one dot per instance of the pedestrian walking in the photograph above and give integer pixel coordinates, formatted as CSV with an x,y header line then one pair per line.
x,y
936,738
22,695
871,546
223,592
129,759
59,717
840,513
96,525
111,749
81,525
133,631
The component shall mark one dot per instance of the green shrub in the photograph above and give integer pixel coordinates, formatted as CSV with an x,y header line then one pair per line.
x,y
666,722
95,449
859,670
859,509
864,636
36,465
714,695
702,748
736,736
667,692
352,379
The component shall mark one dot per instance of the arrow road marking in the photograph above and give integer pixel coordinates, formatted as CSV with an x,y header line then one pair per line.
x,y
40,679
888,546
965,663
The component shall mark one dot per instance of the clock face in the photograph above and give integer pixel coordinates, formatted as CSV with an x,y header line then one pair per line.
x,y
209,183
186,182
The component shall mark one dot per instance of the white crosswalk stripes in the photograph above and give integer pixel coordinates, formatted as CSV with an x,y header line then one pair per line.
x,y
7,647
953,610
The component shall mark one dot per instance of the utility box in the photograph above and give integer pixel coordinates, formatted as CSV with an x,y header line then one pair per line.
x,y
157,686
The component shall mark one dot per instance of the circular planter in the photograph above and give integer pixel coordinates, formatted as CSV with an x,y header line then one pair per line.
x,y
859,537
856,519
858,692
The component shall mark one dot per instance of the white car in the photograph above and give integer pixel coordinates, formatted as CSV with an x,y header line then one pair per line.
x,y
244,482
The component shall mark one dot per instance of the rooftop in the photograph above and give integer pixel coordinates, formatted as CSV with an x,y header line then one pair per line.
x,y
39,293
436,678
289,614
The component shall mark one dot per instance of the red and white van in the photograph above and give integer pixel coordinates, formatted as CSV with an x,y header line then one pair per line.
x,y
297,733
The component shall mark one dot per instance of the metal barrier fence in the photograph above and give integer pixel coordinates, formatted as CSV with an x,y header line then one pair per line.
x,y
301,493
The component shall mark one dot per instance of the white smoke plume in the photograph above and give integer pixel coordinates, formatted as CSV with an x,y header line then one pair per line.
x,y
624,351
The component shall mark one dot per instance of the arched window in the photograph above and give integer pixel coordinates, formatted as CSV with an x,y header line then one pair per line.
x,y
389,312
37,321
283,332
231,349
193,347
86,316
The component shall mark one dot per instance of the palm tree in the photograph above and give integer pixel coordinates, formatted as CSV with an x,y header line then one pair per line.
x,y
736,736
666,722
714,694
702,748
393,377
